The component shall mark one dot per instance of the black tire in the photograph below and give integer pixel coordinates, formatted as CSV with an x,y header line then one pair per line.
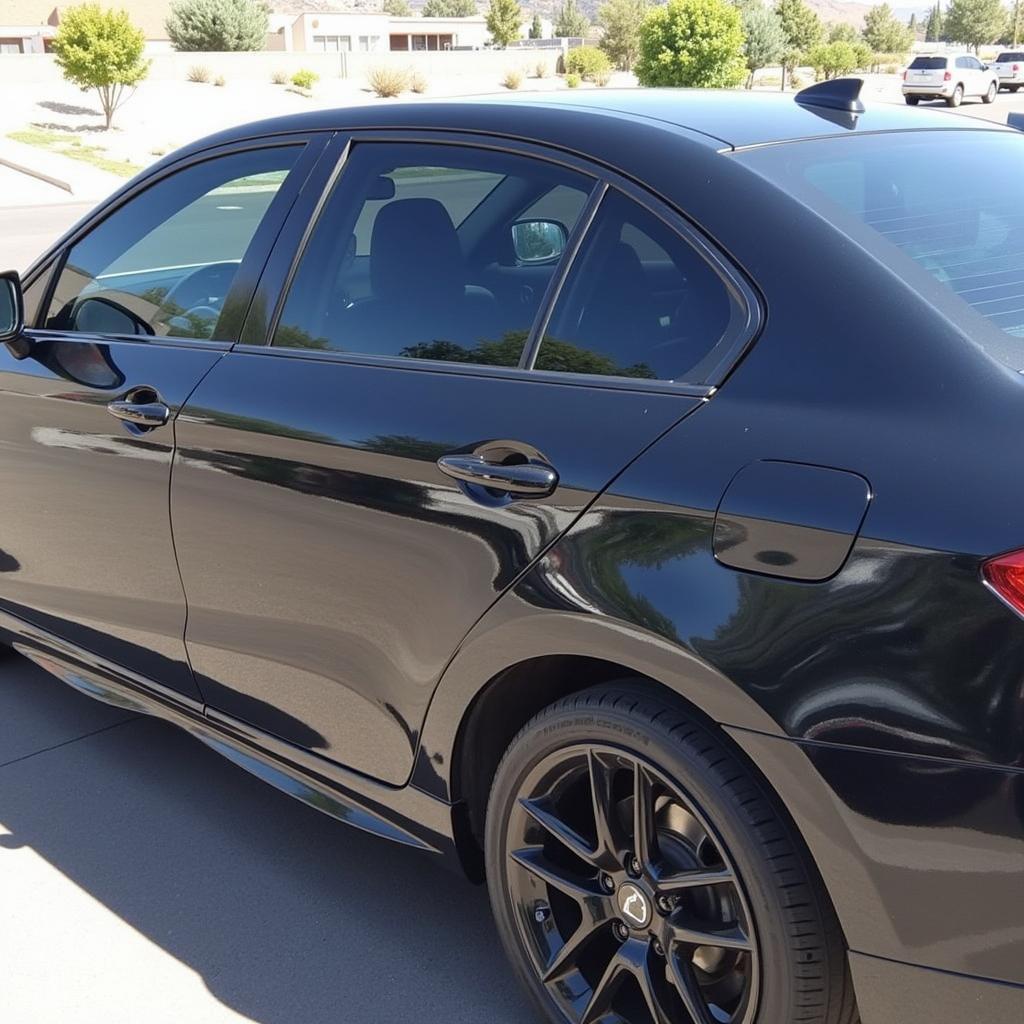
x,y
1014,88
990,96
800,959
957,98
912,101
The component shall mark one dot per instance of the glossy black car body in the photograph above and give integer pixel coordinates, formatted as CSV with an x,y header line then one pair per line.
x,y
791,544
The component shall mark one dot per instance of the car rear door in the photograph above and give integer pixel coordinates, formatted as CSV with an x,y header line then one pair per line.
x,y
927,71
348,499
142,301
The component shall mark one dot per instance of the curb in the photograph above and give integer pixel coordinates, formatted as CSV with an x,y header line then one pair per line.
x,y
33,173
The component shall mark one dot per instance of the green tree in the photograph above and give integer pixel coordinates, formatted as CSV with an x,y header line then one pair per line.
x,y
803,31
449,9
843,32
1014,25
536,28
504,19
621,21
912,26
217,25
764,39
933,26
884,33
974,22
571,22
397,8
102,50
692,43
830,60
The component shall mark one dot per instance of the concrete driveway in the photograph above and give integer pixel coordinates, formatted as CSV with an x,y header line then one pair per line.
x,y
144,878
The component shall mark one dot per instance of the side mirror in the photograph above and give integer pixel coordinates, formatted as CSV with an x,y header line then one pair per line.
x,y
12,309
538,241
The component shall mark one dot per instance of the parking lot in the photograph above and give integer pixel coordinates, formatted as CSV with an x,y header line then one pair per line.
x,y
144,878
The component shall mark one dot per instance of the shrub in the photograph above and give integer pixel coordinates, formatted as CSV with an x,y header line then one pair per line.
x,y
220,80
279,78
417,81
692,43
541,70
101,50
513,79
217,25
305,79
199,73
831,60
386,81
572,81
587,61
602,78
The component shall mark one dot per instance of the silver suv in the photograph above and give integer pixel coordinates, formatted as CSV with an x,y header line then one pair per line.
x,y
950,78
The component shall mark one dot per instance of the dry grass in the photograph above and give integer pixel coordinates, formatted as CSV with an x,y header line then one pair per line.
x,y
387,82
199,73
513,79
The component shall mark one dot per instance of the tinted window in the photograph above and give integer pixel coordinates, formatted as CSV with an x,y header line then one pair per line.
x,y
640,301
163,263
928,64
413,255
1011,55
964,226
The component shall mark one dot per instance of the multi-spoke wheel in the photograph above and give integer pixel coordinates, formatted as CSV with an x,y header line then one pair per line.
x,y
640,875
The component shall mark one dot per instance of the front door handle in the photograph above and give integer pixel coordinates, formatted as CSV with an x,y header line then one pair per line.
x,y
523,479
140,414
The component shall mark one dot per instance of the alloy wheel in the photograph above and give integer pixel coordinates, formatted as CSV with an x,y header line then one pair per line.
x,y
628,903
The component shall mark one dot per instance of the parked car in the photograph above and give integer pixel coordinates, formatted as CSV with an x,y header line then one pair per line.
x,y
1009,66
615,495
951,78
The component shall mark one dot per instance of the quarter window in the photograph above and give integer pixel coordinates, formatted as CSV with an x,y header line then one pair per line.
x,y
640,301
163,263
414,254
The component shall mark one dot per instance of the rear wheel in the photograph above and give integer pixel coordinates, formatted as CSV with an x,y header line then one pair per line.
x,y
912,101
957,98
640,874
990,96
1014,88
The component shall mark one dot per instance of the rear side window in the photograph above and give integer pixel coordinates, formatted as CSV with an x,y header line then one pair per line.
x,y
965,226
639,301
928,64
1006,58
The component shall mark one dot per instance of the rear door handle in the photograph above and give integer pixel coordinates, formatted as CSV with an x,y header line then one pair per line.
x,y
523,479
140,414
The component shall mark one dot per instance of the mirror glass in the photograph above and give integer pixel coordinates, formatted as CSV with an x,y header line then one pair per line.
x,y
10,308
538,241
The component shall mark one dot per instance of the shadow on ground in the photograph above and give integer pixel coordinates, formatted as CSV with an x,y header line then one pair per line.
x,y
286,915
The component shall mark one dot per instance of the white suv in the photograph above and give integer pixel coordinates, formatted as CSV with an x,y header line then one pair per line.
x,y
949,78
1009,65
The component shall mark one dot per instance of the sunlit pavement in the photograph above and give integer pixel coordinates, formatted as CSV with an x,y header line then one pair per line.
x,y
143,878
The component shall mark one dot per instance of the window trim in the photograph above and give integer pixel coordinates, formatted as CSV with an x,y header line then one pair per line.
x,y
729,349
53,261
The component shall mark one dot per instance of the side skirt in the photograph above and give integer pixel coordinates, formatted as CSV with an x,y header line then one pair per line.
x,y
404,815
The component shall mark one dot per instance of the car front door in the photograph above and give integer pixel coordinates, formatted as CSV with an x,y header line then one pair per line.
x,y
141,304
348,499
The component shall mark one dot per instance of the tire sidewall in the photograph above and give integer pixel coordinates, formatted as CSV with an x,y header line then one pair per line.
x,y
613,727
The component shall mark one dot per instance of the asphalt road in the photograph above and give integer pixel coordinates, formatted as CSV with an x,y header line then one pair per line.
x,y
145,878
28,230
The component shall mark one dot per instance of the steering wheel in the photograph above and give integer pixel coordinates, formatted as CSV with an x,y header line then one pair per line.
x,y
197,298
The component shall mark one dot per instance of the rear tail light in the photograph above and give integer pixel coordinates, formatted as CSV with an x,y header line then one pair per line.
x,y
904,76
1005,575
1016,68
948,77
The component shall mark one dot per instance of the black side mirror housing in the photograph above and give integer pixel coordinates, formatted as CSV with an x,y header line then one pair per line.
x,y
12,314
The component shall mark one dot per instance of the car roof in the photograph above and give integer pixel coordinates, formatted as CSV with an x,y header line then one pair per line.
x,y
724,119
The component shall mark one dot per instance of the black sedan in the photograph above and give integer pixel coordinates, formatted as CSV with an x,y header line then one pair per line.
x,y
618,495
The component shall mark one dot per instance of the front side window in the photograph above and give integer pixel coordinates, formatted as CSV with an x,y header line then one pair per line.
x,y
419,253
640,301
163,263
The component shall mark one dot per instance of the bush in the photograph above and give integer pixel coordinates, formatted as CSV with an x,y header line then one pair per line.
x,y
387,82
279,78
573,81
541,70
418,81
513,79
199,73
101,50
217,25
692,43
305,79
220,80
830,60
587,61
602,78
